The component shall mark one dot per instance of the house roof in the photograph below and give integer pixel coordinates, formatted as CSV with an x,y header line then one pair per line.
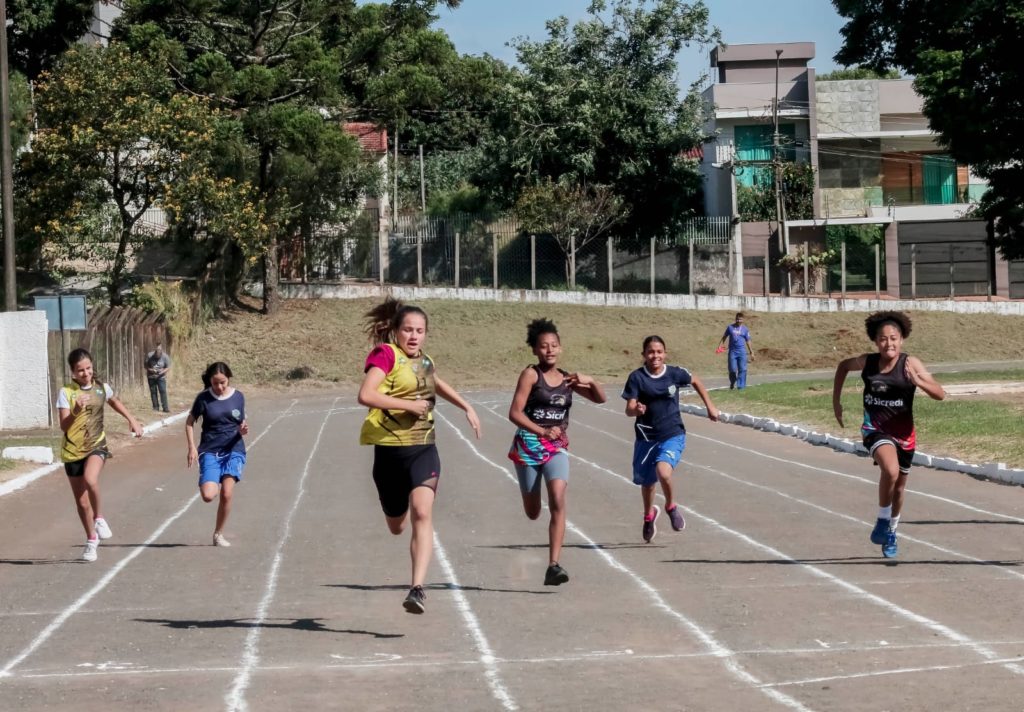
x,y
371,137
696,153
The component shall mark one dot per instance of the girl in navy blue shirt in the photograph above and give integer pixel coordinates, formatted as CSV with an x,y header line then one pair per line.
x,y
221,451
652,397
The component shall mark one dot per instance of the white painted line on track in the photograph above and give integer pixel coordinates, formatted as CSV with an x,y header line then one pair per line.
x,y
895,671
933,625
487,658
717,649
108,577
235,698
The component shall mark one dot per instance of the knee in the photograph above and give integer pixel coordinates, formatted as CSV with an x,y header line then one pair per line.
x,y
208,495
532,512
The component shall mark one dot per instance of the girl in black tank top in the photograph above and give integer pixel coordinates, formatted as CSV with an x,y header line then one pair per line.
x,y
891,378
540,410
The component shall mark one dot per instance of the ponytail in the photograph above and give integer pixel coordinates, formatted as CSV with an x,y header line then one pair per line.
x,y
381,322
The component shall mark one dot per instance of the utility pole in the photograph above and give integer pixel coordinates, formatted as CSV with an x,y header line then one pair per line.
x,y
423,184
394,207
780,201
6,170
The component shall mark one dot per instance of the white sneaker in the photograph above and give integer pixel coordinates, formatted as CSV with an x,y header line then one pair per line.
x,y
219,540
89,553
103,529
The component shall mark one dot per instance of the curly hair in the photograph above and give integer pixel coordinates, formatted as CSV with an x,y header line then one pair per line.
x,y
537,328
383,320
897,318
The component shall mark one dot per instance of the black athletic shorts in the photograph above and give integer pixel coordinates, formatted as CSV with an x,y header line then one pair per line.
x,y
904,456
399,469
77,468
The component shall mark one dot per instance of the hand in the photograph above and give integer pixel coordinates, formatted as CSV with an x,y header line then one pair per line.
x,y
82,402
419,408
553,433
641,408
135,427
837,408
580,379
243,429
750,356
474,422
712,413
192,457
720,349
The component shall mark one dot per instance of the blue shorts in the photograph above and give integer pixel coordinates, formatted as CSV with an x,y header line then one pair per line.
x,y
215,466
557,468
646,456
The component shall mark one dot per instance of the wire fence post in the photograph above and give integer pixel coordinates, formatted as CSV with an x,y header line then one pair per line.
x,y
494,258
767,262
419,259
458,266
611,265
878,273
653,250
533,262
913,271
689,269
572,261
952,275
842,268
807,269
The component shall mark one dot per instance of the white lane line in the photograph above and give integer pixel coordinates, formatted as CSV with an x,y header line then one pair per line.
x,y
933,625
820,508
837,473
895,671
107,578
717,649
235,698
487,659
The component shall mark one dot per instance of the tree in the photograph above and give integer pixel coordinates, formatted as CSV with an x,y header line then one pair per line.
x,y
848,73
598,104
281,69
966,62
114,139
757,202
42,30
574,215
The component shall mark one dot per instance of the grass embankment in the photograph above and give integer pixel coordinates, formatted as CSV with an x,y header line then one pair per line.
x,y
973,428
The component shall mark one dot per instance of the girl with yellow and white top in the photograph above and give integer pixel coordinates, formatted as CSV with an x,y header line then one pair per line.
x,y
84,450
400,387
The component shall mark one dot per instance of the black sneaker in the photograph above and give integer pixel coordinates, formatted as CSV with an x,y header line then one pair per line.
x,y
555,575
650,528
414,602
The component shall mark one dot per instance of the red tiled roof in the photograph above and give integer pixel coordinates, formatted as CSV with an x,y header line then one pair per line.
x,y
697,152
371,137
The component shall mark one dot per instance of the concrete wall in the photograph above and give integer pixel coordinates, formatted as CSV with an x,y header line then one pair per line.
x,y
24,390
849,106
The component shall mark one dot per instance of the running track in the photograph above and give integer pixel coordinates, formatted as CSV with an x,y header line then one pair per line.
x,y
772,598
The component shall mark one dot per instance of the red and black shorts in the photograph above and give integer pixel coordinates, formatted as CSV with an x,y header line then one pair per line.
x,y
399,469
904,456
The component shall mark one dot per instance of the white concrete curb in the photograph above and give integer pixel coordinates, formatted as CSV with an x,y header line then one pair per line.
x,y
28,478
990,470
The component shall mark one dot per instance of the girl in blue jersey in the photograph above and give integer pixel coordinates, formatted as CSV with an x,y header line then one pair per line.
x,y
540,409
221,451
652,397
890,379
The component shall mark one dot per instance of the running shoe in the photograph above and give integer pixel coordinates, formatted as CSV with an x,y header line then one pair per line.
x,y
678,523
103,529
555,575
889,548
650,528
879,533
89,552
415,602
219,540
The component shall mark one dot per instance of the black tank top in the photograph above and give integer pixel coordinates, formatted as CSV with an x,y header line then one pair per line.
x,y
888,400
549,405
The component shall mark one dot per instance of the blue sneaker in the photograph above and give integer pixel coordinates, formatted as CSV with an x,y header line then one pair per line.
x,y
889,548
878,534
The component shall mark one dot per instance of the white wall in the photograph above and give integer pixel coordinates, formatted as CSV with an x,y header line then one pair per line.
x,y
24,396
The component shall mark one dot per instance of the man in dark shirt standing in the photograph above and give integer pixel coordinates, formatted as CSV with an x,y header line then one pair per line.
x,y
158,364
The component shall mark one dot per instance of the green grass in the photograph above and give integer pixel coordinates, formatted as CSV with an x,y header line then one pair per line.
x,y
989,429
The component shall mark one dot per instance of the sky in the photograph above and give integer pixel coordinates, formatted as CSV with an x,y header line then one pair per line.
x,y
480,26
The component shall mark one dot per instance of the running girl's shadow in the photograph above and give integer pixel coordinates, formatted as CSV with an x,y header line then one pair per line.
x,y
38,562
622,545
849,561
312,625
149,546
432,587
962,521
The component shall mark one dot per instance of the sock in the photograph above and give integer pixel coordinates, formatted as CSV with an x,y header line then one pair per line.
x,y
671,509
649,517
885,512
894,522
95,538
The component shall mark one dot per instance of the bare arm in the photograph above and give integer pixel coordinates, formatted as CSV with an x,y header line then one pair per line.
x,y
372,398
452,396
190,440
587,387
704,396
119,408
516,411
635,408
921,378
856,363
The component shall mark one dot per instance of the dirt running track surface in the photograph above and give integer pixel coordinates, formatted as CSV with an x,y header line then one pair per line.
x,y
772,598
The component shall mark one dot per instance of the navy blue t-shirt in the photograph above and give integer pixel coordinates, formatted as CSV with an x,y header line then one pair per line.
x,y
661,396
221,421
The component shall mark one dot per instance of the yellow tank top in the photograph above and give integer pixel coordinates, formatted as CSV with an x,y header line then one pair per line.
x,y
408,379
86,432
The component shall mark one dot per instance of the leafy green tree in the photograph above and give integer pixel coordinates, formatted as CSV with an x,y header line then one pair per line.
x,y
285,71
598,103
114,140
42,29
847,73
758,202
965,57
